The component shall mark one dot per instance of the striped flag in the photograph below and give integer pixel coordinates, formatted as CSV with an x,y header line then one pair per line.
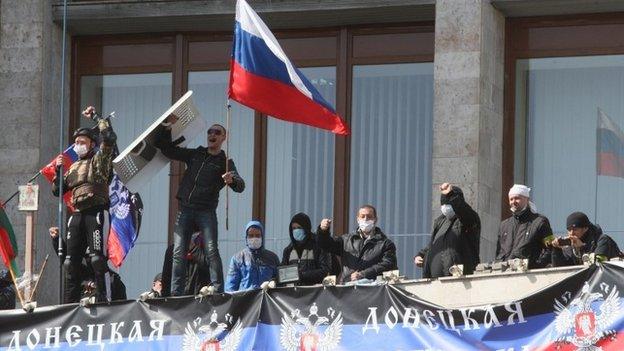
x,y
609,147
263,78
8,244
49,171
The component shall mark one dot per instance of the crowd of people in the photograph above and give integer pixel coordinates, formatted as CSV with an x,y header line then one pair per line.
x,y
194,261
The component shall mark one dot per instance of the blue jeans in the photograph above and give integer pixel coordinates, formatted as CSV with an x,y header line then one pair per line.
x,y
186,221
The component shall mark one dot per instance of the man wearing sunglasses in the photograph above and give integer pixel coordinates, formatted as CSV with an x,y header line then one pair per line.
x,y
198,196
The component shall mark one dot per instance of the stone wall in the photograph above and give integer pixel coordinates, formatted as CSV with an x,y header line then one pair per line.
x,y
29,101
468,108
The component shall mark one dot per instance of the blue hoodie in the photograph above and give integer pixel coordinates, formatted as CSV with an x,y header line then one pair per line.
x,y
250,268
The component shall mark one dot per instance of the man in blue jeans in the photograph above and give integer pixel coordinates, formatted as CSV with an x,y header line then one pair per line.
x,y
198,195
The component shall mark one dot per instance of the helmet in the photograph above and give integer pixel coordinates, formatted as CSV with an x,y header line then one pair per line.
x,y
84,132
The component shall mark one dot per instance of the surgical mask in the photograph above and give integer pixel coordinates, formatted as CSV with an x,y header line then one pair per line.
x,y
366,226
80,149
299,234
254,243
447,211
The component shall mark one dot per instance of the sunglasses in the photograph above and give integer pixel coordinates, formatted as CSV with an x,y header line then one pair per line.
x,y
214,131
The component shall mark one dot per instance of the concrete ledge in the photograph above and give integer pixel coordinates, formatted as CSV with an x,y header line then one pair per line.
x,y
476,290
528,8
142,16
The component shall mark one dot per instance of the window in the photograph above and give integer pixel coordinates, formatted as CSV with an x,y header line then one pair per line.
x,y
209,95
369,74
300,168
559,102
391,152
137,99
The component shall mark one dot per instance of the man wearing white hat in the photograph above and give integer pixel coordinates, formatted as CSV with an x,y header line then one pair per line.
x,y
526,233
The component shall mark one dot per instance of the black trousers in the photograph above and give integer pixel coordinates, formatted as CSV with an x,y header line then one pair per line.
x,y
85,235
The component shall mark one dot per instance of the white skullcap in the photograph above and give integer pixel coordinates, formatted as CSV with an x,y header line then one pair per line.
x,y
519,189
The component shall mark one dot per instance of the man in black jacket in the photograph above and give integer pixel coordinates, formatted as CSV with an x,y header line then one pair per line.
x,y
198,195
455,238
526,233
583,238
312,262
365,252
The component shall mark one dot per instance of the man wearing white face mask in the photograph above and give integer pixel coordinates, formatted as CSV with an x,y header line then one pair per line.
x,y
365,253
87,179
526,233
253,265
455,237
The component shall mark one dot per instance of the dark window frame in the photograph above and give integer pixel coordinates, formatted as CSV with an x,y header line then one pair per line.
x,y
548,36
180,67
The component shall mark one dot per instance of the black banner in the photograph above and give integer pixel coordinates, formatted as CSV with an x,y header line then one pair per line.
x,y
582,312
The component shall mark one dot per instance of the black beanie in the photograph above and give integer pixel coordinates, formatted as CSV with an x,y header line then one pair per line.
x,y
577,220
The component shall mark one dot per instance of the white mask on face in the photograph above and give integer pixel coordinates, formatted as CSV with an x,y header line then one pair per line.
x,y
254,243
366,226
80,149
447,211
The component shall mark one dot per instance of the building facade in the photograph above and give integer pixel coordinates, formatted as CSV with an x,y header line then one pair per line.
x,y
479,93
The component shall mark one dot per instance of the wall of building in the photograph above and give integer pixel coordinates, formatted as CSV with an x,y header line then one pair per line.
x,y
29,101
468,108
468,100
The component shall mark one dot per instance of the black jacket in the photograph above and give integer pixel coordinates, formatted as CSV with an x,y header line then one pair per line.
x,y
313,262
453,241
7,293
595,242
370,257
202,180
523,236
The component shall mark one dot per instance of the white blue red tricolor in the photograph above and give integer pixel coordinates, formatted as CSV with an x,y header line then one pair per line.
x,y
263,78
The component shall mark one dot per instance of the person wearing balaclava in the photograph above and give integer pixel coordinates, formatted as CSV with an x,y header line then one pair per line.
x,y
526,233
365,253
583,237
253,265
455,237
313,263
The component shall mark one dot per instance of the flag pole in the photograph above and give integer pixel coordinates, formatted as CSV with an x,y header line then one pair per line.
x,y
227,164
43,266
61,149
17,192
597,166
17,290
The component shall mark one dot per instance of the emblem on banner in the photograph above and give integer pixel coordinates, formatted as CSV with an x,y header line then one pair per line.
x,y
580,323
120,206
299,333
214,336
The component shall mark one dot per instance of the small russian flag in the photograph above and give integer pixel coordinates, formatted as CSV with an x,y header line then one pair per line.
x,y
263,78
49,171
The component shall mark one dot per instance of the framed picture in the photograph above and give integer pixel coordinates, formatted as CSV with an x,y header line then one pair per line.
x,y
28,197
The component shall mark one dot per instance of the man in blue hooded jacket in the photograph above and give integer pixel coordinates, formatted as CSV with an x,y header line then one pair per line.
x,y
254,264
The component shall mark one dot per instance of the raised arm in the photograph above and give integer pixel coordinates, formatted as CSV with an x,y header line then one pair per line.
x,y
326,241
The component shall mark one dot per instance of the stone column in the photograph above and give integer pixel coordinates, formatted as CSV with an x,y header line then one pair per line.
x,y
30,111
468,108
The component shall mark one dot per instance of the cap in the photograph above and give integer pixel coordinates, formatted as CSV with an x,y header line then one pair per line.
x,y
577,220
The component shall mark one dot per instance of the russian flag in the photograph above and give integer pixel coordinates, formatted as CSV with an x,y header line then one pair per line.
x,y
610,147
264,79
49,171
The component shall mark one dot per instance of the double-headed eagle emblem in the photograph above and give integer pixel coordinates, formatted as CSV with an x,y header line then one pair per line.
x,y
213,336
300,333
578,323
